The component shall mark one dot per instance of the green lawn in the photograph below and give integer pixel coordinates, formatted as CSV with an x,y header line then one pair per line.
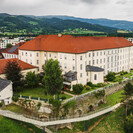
x,y
113,99
112,123
15,108
12,126
38,92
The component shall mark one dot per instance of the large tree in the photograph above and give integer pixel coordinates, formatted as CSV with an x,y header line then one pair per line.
x,y
13,72
32,79
53,80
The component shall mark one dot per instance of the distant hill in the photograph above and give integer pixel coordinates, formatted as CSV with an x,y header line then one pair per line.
x,y
44,25
119,24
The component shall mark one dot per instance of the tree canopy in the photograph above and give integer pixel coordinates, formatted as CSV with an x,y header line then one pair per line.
x,y
8,45
13,72
32,79
53,80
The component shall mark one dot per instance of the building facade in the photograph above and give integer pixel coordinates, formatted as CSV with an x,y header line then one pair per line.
x,y
76,53
6,91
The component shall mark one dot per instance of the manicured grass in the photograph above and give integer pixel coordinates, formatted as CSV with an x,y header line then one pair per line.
x,y
38,92
12,126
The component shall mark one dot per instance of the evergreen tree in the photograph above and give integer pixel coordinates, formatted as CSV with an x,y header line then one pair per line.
x,y
13,72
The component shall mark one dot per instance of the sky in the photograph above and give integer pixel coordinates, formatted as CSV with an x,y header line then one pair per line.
x,y
111,9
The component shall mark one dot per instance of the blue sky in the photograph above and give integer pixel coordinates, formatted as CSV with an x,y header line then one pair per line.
x,y
112,9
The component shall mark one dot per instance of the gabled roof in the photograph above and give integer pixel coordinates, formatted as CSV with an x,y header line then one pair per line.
x,y
93,69
23,65
4,83
72,44
13,49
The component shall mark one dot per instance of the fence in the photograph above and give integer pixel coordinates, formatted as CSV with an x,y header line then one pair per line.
x,y
31,98
94,91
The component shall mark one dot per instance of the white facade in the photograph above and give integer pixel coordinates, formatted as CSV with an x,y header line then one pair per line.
x,y
9,55
6,94
114,60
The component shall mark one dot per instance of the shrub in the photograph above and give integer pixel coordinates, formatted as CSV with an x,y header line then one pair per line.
x,y
100,94
110,76
123,73
0,104
87,87
63,97
39,105
77,89
15,98
90,84
100,85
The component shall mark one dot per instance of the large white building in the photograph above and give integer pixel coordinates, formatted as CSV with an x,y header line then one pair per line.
x,y
82,59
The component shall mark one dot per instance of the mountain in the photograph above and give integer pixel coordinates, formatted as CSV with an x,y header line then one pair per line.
x,y
119,24
44,25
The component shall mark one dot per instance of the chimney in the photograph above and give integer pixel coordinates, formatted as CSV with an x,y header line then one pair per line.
x,y
59,35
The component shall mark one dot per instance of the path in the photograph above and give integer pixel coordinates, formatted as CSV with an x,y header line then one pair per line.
x,y
69,94
15,116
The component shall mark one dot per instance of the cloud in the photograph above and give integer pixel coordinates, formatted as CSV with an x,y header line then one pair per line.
x,y
94,1
114,9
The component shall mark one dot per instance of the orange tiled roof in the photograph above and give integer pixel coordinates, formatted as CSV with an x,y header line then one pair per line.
x,y
23,65
71,44
16,51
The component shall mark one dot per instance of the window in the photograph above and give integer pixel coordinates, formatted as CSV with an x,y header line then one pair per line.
x,y
22,53
93,62
95,77
87,73
89,62
93,54
73,67
100,60
80,66
37,54
65,66
37,61
26,60
97,61
65,57
30,54
49,55
80,57
73,58
80,75
97,53
89,54
100,53
60,56
45,54
55,56
26,53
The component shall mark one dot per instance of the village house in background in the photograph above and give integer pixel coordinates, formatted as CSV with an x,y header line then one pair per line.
x,y
6,91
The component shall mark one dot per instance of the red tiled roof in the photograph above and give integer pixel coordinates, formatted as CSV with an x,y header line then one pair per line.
x,y
71,44
23,65
16,51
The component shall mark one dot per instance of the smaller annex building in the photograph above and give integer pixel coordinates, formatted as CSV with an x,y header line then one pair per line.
x,y
25,67
6,91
